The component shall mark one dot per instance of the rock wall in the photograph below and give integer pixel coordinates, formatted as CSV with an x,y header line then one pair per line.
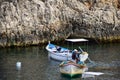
x,y
31,22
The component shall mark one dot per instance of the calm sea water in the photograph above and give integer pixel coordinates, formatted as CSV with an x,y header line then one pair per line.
x,y
36,65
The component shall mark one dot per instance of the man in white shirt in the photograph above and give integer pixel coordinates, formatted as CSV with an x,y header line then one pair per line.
x,y
83,57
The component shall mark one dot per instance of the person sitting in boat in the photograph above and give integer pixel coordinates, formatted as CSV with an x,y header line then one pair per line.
x,y
83,57
58,48
75,55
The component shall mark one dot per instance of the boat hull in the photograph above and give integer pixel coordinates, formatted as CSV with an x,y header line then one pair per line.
x,y
72,69
60,56
71,75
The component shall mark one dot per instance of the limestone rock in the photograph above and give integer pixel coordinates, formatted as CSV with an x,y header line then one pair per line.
x,y
31,22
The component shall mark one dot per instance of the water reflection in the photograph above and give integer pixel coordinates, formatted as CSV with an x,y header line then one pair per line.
x,y
37,66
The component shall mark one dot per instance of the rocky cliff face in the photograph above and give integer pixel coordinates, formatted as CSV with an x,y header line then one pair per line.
x,y
26,22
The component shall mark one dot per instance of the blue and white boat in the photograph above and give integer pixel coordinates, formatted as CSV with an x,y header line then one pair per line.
x,y
61,53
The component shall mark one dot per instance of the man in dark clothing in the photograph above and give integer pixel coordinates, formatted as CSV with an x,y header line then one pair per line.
x,y
75,55
58,48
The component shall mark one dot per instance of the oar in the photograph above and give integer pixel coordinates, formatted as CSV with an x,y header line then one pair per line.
x,y
88,57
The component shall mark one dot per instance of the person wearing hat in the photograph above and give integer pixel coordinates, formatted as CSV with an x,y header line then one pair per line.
x,y
75,55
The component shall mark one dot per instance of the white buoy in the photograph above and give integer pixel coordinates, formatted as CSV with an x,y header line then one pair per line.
x,y
18,65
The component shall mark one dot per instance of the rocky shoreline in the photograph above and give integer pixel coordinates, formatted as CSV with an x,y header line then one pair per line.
x,y
33,22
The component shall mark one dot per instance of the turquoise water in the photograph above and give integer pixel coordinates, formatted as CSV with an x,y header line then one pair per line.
x,y
36,65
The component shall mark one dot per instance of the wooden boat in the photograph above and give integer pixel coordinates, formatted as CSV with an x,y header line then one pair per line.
x,y
72,69
61,54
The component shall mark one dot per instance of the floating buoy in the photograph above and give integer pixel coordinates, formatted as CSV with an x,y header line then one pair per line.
x,y
18,65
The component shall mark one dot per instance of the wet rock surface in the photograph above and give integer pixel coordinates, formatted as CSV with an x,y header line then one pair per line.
x,y
31,22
